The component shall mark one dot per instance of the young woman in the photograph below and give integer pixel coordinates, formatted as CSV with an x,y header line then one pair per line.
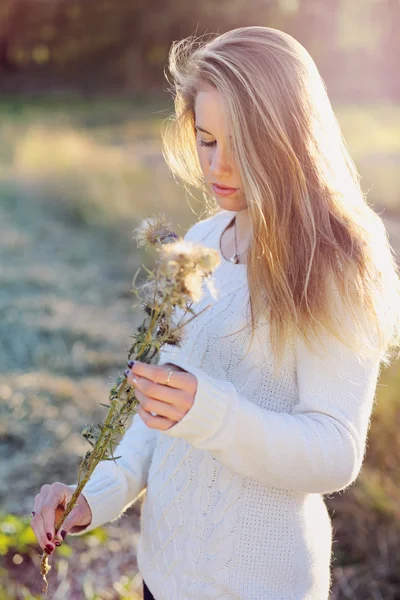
x,y
266,405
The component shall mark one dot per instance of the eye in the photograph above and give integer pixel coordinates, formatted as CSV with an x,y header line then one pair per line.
x,y
203,143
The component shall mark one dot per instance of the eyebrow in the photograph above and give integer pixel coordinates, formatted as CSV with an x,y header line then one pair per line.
x,y
204,130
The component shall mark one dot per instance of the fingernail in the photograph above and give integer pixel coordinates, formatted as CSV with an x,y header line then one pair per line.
x,y
49,549
126,372
49,537
57,543
63,534
131,363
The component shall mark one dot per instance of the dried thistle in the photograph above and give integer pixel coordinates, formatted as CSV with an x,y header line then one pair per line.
x,y
176,282
154,229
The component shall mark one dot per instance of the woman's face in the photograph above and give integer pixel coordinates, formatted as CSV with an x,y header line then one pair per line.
x,y
215,150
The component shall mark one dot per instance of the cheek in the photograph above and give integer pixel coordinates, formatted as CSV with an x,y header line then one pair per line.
x,y
203,158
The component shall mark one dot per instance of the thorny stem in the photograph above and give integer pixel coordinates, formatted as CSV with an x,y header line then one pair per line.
x,y
100,448
101,445
98,451
149,331
96,456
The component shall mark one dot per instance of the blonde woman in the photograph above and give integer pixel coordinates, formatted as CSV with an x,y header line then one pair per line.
x,y
266,405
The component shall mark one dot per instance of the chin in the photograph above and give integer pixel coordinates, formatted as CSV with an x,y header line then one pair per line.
x,y
230,204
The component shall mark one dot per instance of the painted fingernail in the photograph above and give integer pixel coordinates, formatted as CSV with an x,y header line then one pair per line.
x,y
63,534
131,363
126,372
57,543
49,537
49,549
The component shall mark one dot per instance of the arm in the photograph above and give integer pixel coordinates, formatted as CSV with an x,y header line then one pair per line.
x,y
316,448
113,487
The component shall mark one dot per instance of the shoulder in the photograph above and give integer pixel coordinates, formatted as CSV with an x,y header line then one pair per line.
x,y
199,230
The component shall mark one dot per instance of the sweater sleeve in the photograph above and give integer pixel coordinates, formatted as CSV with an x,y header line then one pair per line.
x,y
318,447
114,486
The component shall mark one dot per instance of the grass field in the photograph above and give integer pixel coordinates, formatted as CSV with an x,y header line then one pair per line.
x,y
75,180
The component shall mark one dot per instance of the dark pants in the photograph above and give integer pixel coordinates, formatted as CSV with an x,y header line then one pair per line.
x,y
147,595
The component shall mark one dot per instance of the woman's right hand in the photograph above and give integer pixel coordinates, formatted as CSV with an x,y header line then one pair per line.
x,y
49,507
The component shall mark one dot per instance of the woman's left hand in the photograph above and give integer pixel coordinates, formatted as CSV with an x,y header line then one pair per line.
x,y
169,401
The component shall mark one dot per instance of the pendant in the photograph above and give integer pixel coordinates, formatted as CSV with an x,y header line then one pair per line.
x,y
234,259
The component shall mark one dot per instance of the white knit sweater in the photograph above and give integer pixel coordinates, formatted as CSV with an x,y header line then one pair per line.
x,y
234,507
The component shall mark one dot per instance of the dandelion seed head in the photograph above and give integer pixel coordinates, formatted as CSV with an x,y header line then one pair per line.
x,y
174,339
150,298
208,261
153,230
193,284
181,250
189,254
148,289
170,238
170,268
184,264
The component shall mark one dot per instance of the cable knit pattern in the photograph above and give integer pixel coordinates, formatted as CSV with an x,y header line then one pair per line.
x,y
234,506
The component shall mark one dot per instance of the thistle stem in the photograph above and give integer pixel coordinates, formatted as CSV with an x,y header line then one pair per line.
x,y
121,396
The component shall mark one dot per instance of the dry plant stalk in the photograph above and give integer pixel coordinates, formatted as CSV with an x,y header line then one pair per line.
x,y
176,282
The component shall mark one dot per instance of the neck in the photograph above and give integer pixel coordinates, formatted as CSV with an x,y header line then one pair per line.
x,y
242,224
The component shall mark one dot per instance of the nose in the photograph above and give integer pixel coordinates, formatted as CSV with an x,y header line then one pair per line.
x,y
220,163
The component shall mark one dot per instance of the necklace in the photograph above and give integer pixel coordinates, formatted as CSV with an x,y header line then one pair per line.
x,y
235,257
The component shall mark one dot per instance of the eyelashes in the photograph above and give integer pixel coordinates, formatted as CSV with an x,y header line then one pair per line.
x,y
202,143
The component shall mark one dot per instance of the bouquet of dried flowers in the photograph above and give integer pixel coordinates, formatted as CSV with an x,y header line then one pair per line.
x,y
176,282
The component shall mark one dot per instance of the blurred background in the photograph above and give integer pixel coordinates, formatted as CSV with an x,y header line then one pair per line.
x,y
82,99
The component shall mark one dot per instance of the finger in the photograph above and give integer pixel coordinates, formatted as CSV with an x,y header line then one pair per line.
x,y
159,374
74,518
37,522
156,422
38,501
175,397
162,409
57,497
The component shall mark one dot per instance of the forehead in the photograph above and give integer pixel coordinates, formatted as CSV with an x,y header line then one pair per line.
x,y
209,111
208,97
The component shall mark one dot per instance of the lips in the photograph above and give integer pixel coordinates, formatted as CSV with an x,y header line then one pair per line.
x,y
223,191
223,187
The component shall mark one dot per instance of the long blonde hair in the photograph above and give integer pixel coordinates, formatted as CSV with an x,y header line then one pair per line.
x,y
323,250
